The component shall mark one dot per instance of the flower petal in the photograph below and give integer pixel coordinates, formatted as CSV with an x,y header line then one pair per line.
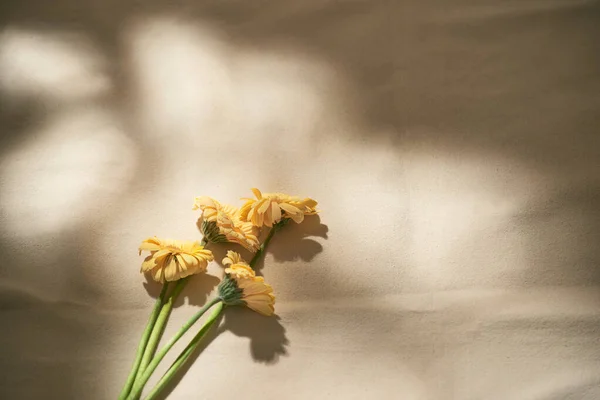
x,y
263,205
148,264
275,212
251,287
158,275
171,269
257,193
293,212
261,303
202,202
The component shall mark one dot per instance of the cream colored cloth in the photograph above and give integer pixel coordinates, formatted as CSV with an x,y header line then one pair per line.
x,y
453,148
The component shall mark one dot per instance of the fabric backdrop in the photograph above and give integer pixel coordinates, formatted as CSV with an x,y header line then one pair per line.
x,y
453,147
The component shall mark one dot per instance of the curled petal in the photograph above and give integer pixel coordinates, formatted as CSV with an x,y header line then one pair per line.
x,y
240,271
257,193
232,258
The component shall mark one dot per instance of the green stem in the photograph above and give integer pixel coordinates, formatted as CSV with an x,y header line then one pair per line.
x,y
194,343
263,246
139,383
144,342
185,354
160,326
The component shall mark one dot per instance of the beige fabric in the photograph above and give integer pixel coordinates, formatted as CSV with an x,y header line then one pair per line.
x,y
453,147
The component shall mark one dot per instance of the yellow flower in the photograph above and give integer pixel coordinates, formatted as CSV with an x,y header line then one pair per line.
x,y
258,295
170,260
238,268
269,208
242,286
222,223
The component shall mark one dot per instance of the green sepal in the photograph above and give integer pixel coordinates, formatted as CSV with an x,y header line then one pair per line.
x,y
230,293
211,232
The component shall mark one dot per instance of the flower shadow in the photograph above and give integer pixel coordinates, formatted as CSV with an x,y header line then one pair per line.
x,y
152,287
294,242
268,341
196,291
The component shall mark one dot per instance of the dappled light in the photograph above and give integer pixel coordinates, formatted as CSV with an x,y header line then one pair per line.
x,y
452,150
64,175
51,66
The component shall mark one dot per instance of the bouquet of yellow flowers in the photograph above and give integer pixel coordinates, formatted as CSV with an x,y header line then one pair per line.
x,y
172,262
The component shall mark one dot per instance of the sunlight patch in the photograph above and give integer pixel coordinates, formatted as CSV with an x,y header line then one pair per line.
x,y
50,66
66,174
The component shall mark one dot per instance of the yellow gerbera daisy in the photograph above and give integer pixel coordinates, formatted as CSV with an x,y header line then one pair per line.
x,y
171,260
241,286
222,223
238,268
258,295
269,208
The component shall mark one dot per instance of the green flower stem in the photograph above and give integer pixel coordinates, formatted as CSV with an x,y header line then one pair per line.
x,y
263,247
162,320
139,383
194,343
144,342
150,365
186,353
159,327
